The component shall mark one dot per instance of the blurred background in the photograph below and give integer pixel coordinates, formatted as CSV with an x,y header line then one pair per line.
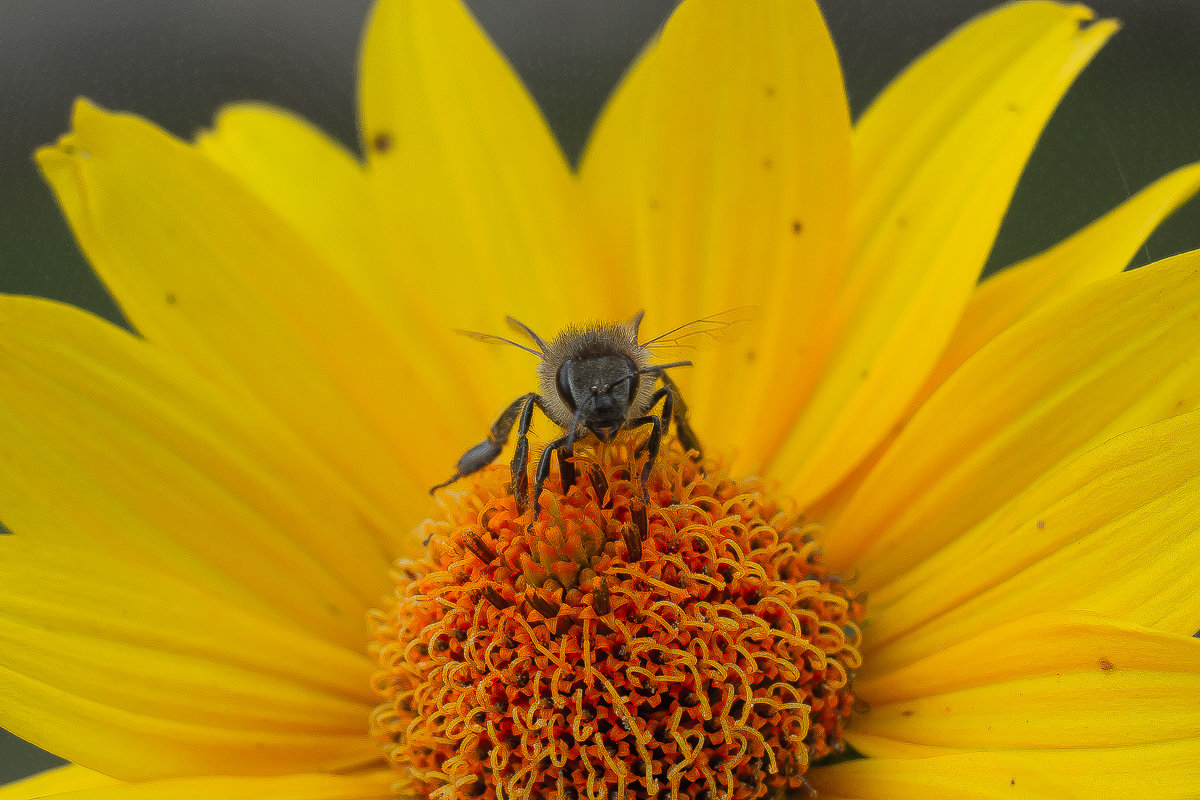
x,y
1133,116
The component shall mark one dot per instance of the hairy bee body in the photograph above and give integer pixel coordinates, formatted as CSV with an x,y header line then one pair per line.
x,y
581,359
594,381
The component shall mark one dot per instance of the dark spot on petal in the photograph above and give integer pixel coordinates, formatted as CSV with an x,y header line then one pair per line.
x,y
653,204
1041,523
908,712
769,90
767,163
382,142
797,226
170,298
1106,665
751,357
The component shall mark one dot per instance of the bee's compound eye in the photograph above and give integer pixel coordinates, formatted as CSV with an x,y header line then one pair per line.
x,y
562,382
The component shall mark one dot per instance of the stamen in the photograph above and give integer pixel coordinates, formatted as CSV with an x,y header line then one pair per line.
x,y
475,543
609,650
633,543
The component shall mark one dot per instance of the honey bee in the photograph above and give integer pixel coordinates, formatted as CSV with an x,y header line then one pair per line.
x,y
595,380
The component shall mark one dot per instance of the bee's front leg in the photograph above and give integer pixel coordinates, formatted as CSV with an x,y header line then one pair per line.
x,y
486,451
520,460
651,446
565,448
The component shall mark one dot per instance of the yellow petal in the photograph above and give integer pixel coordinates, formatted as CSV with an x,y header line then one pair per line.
x,y
873,746
1111,532
1061,679
58,780
205,270
964,776
324,194
719,176
130,670
163,468
477,195
174,599
1101,249
936,160
373,786
311,183
1119,354
1161,771
141,667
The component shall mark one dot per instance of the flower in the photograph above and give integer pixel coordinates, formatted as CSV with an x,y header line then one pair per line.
x,y
1006,475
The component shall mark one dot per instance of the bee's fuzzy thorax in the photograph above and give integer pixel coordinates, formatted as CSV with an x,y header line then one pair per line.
x,y
578,343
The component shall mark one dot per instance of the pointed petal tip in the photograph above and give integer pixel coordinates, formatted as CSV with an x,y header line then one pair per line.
x,y
1093,29
84,105
56,161
86,113
89,122
51,156
1102,28
67,145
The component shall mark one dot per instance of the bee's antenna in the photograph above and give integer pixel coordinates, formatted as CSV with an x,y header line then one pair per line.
x,y
661,367
653,368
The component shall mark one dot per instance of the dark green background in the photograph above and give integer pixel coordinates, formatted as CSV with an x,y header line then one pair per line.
x,y
1134,115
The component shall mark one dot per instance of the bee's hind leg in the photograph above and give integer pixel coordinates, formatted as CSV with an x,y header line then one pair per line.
x,y
679,412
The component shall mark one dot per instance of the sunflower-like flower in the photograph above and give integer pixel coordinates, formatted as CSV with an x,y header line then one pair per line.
x,y
943,541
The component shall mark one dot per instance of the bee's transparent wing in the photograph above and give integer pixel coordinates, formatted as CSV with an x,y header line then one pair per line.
x,y
526,331
722,328
488,338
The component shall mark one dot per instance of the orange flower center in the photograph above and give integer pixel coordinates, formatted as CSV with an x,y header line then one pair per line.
x,y
693,649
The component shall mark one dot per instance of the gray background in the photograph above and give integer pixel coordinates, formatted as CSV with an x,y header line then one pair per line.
x,y
1134,114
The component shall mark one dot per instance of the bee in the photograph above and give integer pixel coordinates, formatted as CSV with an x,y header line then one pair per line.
x,y
594,381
